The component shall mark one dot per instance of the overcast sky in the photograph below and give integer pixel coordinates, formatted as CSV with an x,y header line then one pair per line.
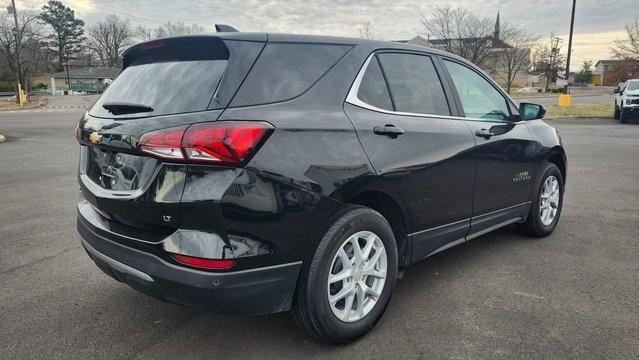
x,y
597,24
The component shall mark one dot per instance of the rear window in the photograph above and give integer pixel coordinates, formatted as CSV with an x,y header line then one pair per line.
x,y
286,70
178,75
166,87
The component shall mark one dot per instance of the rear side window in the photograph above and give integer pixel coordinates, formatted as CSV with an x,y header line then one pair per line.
x,y
373,90
414,84
285,70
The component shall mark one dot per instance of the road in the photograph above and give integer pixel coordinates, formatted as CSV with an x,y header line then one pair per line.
x,y
573,295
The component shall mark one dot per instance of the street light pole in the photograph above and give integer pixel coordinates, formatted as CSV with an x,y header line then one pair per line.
x,y
572,24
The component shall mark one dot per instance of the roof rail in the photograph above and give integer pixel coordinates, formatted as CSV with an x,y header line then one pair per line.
x,y
225,28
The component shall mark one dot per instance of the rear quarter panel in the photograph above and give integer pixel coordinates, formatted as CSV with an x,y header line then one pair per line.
x,y
314,149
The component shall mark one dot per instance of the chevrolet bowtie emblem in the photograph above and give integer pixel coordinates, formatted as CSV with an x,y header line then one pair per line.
x,y
95,137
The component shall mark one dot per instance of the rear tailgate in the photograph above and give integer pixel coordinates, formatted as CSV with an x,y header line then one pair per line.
x,y
164,83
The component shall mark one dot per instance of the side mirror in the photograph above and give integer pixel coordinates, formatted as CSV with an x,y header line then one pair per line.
x,y
616,90
529,111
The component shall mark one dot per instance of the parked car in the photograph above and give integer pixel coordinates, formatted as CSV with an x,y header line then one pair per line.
x,y
258,173
627,100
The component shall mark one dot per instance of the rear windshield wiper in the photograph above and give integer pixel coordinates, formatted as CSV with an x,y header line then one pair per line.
x,y
117,108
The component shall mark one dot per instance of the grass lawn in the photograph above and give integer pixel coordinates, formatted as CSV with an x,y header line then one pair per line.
x,y
12,105
516,95
580,110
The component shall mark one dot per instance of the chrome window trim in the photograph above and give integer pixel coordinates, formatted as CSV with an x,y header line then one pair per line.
x,y
352,99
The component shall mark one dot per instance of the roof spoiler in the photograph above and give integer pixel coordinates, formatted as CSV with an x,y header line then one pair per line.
x,y
225,28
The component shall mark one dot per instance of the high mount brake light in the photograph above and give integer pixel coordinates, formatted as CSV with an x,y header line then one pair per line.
x,y
153,45
224,142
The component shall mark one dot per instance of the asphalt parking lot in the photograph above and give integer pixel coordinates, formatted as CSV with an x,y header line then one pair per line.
x,y
573,295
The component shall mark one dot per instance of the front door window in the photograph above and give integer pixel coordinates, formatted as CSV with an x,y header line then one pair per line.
x,y
479,98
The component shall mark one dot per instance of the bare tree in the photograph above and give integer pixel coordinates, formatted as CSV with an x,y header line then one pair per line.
x,y
623,71
628,48
513,57
548,60
177,29
143,33
366,31
108,38
29,35
460,32
169,29
37,59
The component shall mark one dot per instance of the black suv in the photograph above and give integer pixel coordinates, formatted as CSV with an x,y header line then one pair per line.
x,y
256,173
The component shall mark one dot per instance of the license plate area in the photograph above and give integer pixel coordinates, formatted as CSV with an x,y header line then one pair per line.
x,y
116,171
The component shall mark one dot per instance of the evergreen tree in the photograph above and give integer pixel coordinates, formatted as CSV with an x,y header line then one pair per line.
x,y
68,31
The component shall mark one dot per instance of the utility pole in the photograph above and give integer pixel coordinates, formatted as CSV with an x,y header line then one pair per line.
x,y
554,51
572,25
16,33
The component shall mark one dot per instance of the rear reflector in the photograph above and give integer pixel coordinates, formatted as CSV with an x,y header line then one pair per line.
x,y
202,263
225,142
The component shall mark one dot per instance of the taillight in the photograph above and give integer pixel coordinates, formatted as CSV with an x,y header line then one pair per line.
x,y
164,143
203,263
225,142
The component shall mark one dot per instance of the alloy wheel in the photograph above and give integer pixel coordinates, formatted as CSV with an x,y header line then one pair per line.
x,y
549,203
357,276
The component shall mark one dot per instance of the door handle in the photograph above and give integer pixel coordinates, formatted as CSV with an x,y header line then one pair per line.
x,y
388,130
486,134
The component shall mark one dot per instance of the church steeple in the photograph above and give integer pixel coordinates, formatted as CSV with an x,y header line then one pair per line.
x,y
496,34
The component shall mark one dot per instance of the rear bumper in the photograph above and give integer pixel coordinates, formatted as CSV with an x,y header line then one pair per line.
x,y
246,292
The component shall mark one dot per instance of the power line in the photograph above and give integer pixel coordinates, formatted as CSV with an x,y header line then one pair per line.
x,y
142,19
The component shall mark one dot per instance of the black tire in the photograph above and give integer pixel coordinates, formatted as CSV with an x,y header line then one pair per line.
x,y
311,310
623,117
533,226
616,114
